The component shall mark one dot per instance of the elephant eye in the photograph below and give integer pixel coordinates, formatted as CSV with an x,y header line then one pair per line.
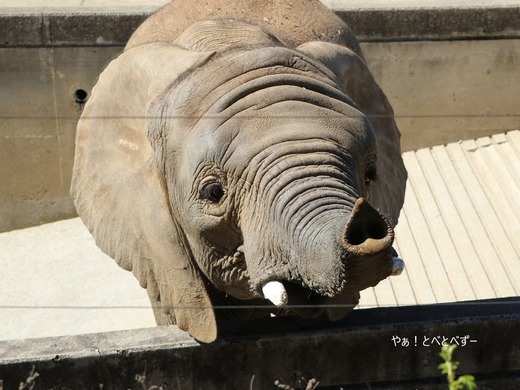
x,y
370,174
212,192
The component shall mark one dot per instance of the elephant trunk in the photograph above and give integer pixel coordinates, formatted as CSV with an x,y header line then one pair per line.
x,y
367,232
367,242
324,244
348,249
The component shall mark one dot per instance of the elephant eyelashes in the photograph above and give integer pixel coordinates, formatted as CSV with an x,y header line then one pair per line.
x,y
212,192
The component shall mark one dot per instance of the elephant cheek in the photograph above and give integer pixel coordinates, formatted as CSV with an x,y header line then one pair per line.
x,y
228,274
236,284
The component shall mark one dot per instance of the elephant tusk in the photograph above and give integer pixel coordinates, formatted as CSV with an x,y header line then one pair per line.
x,y
275,292
397,266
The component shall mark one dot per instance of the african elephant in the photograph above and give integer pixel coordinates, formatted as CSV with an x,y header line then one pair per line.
x,y
240,152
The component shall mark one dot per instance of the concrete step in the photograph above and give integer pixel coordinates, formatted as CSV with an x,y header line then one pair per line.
x,y
456,233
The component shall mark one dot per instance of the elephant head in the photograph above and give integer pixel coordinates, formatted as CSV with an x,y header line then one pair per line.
x,y
223,173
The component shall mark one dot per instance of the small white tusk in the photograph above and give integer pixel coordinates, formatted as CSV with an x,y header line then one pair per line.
x,y
397,266
275,292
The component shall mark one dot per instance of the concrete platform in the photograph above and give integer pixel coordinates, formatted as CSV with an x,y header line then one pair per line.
x,y
377,349
55,281
458,234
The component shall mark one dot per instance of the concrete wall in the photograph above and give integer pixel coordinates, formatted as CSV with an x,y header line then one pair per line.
x,y
450,74
41,95
366,351
445,91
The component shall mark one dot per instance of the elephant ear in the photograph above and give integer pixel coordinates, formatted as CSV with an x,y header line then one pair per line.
x,y
387,192
120,194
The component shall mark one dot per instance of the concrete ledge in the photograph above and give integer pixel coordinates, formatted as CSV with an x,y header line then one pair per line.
x,y
367,349
433,23
68,29
80,26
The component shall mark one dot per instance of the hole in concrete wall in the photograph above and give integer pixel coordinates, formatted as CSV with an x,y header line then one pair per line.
x,y
80,95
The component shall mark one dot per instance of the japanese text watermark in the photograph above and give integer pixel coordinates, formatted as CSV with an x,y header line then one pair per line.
x,y
429,341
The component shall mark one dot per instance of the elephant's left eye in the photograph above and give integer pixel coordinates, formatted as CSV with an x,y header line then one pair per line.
x,y
370,175
212,192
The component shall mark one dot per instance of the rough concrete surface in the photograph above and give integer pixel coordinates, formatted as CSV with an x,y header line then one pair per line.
x,y
392,348
447,91
414,4
38,117
112,24
108,23
333,4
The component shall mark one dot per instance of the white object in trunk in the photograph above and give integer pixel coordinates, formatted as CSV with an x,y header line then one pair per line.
x,y
397,266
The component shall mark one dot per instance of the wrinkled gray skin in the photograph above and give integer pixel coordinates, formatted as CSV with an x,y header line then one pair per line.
x,y
215,155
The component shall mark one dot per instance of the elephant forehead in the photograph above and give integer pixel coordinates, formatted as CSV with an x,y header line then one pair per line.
x,y
231,77
274,102
288,125
237,104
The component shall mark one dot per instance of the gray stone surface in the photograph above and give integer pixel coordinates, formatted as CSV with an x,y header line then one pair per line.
x,y
367,350
334,4
414,4
422,24
95,22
